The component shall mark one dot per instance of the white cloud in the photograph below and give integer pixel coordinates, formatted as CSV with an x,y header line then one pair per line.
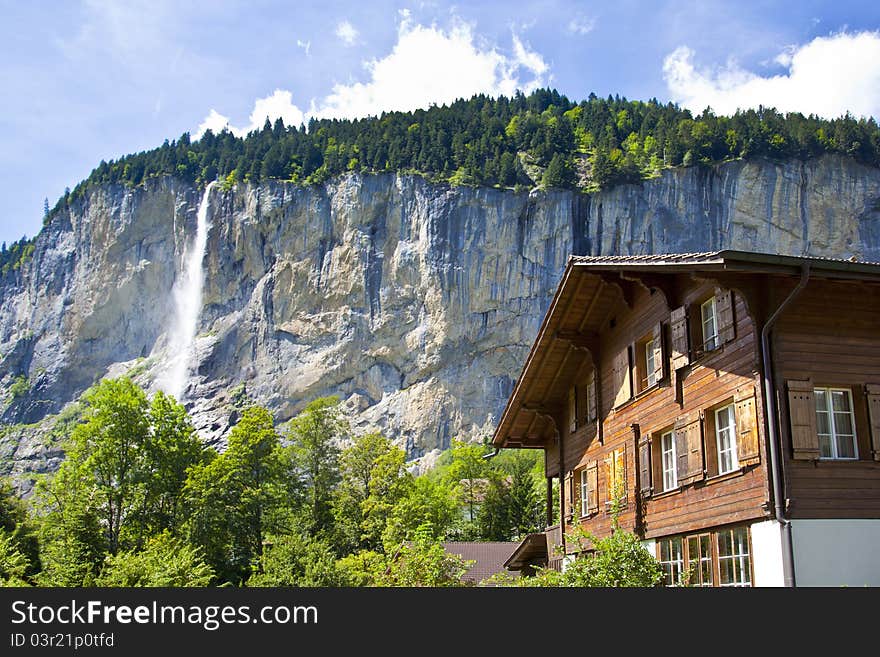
x,y
581,25
428,65
347,32
215,122
828,77
278,105
305,45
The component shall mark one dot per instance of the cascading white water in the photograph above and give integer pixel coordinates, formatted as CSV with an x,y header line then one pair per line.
x,y
187,293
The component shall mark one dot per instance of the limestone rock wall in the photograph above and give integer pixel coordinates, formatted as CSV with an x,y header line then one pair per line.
x,y
415,303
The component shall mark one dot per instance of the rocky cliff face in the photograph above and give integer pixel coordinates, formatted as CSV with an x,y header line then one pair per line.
x,y
415,303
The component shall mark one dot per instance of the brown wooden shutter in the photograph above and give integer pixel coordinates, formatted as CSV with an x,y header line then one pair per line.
x,y
645,467
659,361
802,413
591,397
679,329
724,315
569,495
747,444
872,393
622,386
688,435
592,487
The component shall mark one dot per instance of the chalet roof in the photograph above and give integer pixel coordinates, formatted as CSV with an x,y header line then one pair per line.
x,y
490,557
590,290
728,259
532,549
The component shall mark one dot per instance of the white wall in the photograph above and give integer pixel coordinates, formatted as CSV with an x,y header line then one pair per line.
x,y
836,552
767,554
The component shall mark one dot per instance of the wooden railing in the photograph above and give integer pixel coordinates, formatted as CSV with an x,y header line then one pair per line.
x,y
554,541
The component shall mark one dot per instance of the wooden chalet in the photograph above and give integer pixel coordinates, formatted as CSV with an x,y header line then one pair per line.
x,y
725,406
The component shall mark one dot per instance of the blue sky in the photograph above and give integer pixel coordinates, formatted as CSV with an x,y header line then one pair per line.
x,y
90,80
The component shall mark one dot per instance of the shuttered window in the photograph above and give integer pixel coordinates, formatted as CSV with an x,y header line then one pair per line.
x,y
668,461
591,487
725,440
650,372
802,414
835,424
615,480
709,325
591,397
679,330
584,486
572,410
622,378
724,316
872,394
659,354
747,445
689,450
645,467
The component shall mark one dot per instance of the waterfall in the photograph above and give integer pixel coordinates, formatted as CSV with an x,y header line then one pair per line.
x,y
187,294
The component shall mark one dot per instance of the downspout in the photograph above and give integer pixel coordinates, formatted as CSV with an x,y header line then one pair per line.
x,y
772,435
491,455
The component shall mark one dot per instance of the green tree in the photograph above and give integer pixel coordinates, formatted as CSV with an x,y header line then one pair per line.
x,y
164,561
17,526
236,499
13,564
106,453
429,505
314,437
297,560
559,173
422,561
373,479
468,473
171,448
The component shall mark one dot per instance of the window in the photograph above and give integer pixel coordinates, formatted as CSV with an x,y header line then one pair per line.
x,y
616,479
710,325
585,488
591,396
725,438
715,558
835,424
669,462
699,560
572,410
648,356
734,565
650,365
671,559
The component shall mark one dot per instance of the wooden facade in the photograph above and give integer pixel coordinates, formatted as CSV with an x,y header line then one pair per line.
x,y
645,388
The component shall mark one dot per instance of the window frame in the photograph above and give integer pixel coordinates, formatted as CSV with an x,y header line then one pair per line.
x,y
714,338
616,475
833,435
731,449
585,502
708,553
745,559
650,364
673,471
673,564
